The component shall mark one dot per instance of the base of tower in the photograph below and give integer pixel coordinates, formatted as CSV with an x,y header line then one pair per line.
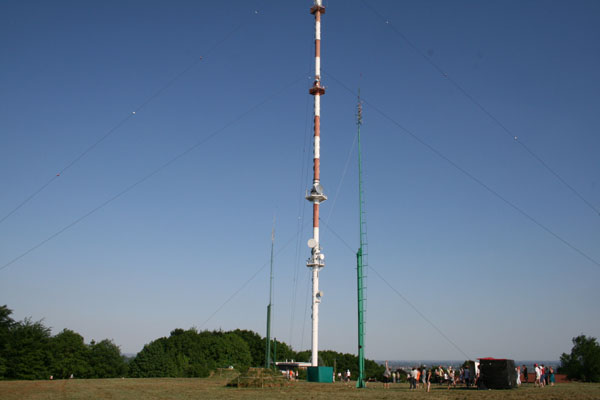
x,y
320,374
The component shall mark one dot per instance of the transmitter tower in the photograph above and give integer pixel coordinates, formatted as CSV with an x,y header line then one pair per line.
x,y
316,194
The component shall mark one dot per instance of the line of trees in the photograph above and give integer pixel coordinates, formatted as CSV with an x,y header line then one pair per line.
x,y
189,353
29,351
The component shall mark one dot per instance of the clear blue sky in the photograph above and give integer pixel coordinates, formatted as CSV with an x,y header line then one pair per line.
x,y
171,251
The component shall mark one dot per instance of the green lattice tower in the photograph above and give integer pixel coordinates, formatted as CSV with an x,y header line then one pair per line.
x,y
361,262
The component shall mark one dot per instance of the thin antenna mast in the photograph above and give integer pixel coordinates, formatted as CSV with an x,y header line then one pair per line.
x,y
361,262
268,347
316,195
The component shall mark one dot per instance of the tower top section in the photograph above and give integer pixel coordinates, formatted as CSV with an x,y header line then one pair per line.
x,y
317,10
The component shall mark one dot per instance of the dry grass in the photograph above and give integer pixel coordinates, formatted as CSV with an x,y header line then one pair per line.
x,y
214,388
258,378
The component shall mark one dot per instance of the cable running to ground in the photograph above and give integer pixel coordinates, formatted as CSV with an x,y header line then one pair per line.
x,y
301,210
434,326
306,303
470,176
478,104
124,120
234,294
344,172
151,174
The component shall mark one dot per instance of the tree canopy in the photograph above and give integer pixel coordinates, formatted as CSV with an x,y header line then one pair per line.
x,y
29,351
69,355
584,361
189,353
6,323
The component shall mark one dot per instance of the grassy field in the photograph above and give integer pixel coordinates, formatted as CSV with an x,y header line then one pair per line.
x,y
214,388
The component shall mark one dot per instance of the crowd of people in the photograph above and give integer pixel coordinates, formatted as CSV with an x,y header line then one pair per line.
x,y
423,377
544,375
343,377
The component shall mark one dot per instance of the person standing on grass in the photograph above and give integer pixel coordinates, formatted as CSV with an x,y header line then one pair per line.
x,y
538,375
518,369
478,376
413,378
543,378
428,380
467,374
451,377
525,374
543,375
386,376
552,378
417,376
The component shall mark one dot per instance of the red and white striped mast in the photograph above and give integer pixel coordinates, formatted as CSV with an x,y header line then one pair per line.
x,y
316,195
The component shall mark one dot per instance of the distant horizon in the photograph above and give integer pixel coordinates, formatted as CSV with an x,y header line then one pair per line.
x,y
431,362
454,362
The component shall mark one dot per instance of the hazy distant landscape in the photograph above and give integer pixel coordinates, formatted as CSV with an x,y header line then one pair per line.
x,y
455,363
